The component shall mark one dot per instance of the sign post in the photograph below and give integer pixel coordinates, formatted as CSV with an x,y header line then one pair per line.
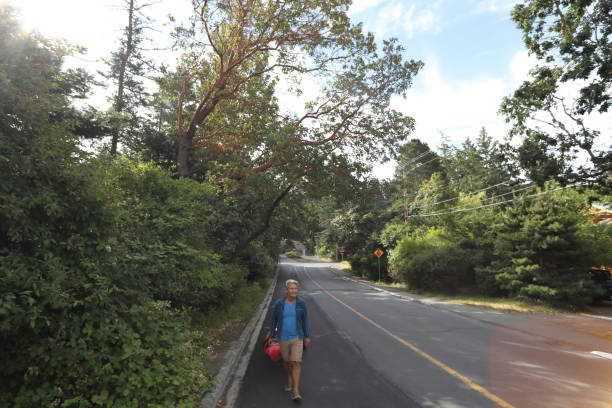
x,y
378,254
341,250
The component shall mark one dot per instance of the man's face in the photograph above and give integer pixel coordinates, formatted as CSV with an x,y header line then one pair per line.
x,y
292,290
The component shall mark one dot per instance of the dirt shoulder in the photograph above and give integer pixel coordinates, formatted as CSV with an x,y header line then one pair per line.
x,y
223,340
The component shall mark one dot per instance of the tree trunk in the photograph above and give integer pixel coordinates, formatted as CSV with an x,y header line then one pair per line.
x,y
182,157
266,224
119,102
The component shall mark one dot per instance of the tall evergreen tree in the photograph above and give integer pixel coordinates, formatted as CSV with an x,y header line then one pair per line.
x,y
416,162
539,253
127,68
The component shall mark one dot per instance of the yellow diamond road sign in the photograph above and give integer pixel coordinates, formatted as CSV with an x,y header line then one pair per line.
x,y
378,252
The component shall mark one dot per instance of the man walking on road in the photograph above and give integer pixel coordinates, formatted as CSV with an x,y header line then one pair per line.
x,y
290,318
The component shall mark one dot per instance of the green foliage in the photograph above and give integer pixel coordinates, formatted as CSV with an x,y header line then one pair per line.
x,y
356,228
293,254
248,42
541,253
286,246
431,261
97,352
596,242
79,326
366,265
164,236
88,280
393,232
575,36
572,40
415,163
95,255
260,257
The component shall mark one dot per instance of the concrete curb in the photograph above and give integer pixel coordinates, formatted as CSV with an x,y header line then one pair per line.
x,y
230,375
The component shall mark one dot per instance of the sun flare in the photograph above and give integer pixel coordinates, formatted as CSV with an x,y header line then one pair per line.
x,y
72,20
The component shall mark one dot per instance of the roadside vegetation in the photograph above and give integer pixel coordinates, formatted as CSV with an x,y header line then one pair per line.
x,y
468,227
493,302
507,220
293,254
496,303
131,236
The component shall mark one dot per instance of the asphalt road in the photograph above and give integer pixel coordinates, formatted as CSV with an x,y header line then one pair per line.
x,y
373,348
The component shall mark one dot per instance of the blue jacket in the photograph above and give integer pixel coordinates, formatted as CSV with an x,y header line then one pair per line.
x,y
301,316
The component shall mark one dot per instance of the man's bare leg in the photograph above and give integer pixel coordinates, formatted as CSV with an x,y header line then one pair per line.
x,y
296,371
287,366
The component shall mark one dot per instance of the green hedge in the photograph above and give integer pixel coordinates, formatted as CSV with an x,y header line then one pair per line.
x,y
97,258
164,237
432,262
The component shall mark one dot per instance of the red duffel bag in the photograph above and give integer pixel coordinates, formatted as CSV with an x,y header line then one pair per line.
x,y
271,347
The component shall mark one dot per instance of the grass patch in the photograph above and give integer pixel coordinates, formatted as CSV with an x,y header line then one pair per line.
x,y
344,265
242,307
223,326
293,254
508,305
501,304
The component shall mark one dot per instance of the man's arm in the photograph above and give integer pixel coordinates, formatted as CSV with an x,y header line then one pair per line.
x,y
306,327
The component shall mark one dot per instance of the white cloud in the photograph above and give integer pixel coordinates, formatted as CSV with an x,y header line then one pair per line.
x,y
423,21
495,6
394,16
361,5
520,65
387,18
458,109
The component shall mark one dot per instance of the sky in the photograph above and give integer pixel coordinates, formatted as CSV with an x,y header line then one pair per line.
x,y
473,53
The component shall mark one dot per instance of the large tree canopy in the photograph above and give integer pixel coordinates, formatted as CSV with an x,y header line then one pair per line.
x,y
234,42
572,40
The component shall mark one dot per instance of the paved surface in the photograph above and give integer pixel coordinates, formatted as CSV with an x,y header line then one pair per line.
x,y
371,348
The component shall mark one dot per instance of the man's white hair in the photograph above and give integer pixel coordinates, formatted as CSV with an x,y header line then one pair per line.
x,y
290,281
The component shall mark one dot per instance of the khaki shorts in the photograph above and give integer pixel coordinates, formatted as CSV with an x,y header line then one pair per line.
x,y
292,349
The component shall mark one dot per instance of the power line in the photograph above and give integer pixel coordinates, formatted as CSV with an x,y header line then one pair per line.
x,y
489,198
418,157
468,194
422,164
490,205
511,192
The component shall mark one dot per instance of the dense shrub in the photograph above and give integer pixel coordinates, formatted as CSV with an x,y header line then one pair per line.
x,y
293,254
431,262
365,264
80,327
95,255
164,237
259,258
100,353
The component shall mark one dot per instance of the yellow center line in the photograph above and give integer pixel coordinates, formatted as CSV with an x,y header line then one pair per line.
x,y
440,364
